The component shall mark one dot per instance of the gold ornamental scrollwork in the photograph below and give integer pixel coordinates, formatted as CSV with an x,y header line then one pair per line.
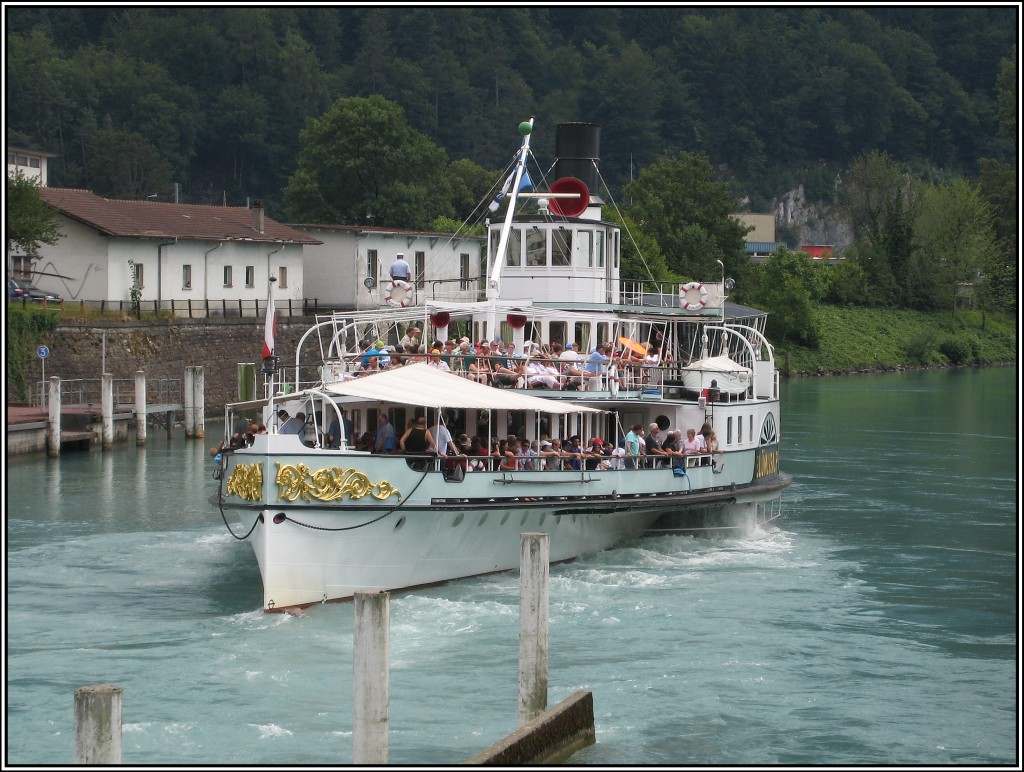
x,y
246,482
296,481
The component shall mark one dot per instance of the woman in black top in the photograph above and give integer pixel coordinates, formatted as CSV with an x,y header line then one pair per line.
x,y
417,438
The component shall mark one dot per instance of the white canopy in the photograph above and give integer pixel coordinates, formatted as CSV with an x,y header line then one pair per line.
x,y
426,386
721,364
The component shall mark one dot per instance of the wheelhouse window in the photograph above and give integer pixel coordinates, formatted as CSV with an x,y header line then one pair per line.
x,y
536,247
584,251
561,247
599,249
514,248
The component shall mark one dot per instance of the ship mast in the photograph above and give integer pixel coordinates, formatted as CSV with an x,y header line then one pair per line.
x,y
494,280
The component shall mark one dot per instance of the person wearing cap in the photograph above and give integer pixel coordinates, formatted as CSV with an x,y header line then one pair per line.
x,y
434,360
550,455
400,270
571,367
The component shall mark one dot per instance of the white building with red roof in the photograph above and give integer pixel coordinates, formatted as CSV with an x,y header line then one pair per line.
x,y
170,253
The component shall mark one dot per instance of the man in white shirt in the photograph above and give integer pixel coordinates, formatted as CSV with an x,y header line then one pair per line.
x,y
400,270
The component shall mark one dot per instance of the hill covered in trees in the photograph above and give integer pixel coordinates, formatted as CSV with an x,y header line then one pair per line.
x,y
134,100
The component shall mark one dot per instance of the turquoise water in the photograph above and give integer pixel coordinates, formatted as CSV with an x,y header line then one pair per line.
x,y
877,623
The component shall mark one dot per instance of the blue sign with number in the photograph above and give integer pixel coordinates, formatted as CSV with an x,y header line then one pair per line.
x,y
43,352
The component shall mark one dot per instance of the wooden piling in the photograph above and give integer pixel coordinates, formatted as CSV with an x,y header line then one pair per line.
x,y
140,407
370,688
98,724
53,423
107,401
533,625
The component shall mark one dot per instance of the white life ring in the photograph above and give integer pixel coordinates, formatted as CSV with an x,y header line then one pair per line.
x,y
399,293
694,285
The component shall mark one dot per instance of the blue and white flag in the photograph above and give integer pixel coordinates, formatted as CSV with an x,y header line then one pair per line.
x,y
524,184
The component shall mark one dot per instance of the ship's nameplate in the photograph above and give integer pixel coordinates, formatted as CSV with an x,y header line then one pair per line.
x,y
296,481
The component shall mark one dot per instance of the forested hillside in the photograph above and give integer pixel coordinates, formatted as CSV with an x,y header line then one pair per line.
x,y
134,100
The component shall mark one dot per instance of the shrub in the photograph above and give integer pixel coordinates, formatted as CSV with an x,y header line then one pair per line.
x,y
957,350
919,347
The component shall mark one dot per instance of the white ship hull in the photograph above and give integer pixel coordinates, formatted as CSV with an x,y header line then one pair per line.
x,y
312,551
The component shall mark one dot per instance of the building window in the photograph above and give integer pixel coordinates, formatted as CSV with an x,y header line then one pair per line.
x,y
186,277
464,270
33,163
22,160
139,283
372,266
227,275
12,159
282,277
420,269
250,276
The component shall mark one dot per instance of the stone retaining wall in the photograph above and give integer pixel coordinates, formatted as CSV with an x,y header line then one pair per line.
x,y
164,348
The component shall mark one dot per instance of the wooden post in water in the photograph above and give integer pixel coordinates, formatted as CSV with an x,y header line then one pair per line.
x,y
53,423
188,394
534,552
107,402
98,724
199,402
370,692
140,407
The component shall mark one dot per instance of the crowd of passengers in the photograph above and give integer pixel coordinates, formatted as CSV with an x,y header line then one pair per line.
x,y
634,451
498,363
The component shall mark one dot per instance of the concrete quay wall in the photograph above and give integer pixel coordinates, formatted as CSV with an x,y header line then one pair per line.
x,y
164,348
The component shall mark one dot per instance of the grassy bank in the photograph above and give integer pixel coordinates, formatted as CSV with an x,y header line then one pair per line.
x,y
854,339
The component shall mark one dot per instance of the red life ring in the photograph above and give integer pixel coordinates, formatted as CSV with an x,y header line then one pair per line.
x,y
694,285
399,293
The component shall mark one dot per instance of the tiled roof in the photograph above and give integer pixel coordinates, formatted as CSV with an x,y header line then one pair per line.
x,y
382,229
149,219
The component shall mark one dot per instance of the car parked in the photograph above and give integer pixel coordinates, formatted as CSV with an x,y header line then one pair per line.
x,y
17,289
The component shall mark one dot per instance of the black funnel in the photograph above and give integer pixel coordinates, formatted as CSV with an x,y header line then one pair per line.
x,y
577,147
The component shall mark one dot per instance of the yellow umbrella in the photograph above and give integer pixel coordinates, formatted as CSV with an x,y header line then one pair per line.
x,y
636,348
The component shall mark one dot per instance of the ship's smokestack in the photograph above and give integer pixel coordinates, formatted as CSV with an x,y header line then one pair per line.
x,y
577,151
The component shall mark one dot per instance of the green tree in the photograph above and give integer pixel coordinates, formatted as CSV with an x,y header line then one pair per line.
x,y
678,202
955,238
361,163
642,259
786,285
469,184
875,200
30,220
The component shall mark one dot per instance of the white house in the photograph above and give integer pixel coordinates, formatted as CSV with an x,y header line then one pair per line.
x,y
348,267
31,163
169,253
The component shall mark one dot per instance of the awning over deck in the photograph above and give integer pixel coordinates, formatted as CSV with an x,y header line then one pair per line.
x,y
426,386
